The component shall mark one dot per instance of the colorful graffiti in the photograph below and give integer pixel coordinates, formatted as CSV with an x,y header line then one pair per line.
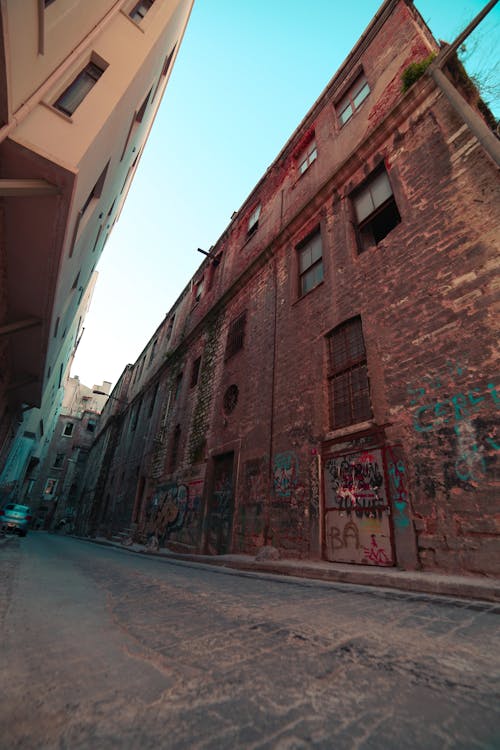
x,y
460,413
355,483
365,541
174,513
285,474
399,493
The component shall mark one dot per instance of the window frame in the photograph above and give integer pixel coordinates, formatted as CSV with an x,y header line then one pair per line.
x,y
65,432
136,8
303,246
93,71
253,220
368,232
351,372
235,336
349,98
307,157
195,372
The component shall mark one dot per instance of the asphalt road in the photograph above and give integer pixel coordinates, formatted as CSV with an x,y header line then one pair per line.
x,y
101,648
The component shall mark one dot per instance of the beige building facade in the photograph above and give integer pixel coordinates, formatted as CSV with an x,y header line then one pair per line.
x,y
80,85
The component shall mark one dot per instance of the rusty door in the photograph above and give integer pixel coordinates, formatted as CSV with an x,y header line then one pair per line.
x,y
357,509
221,506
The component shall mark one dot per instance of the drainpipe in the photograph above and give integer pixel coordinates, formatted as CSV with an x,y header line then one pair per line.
x,y
475,123
267,511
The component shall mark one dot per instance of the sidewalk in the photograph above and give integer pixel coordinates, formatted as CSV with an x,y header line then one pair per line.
x,y
466,587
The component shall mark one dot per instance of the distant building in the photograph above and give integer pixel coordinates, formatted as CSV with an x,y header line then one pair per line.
x,y
80,86
326,382
52,495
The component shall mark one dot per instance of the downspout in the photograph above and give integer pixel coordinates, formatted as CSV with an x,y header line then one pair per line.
x,y
267,514
475,123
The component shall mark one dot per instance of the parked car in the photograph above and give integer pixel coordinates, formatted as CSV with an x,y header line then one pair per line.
x,y
15,518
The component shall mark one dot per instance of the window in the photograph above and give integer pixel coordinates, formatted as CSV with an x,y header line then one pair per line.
x,y
139,116
376,210
136,410
307,157
348,375
153,350
153,400
353,99
174,449
40,425
58,461
253,221
76,92
235,336
50,487
140,9
198,290
195,372
68,429
178,386
94,194
170,327
91,425
310,263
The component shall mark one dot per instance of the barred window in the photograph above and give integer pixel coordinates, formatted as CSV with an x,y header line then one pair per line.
x,y
348,375
235,336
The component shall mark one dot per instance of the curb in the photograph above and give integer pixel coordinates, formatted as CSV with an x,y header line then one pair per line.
x,y
438,584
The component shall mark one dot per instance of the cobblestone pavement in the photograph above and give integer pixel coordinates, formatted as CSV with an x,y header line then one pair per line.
x,y
104,649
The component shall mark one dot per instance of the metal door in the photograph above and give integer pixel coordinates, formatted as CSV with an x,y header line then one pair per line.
x,y
221,505
357,510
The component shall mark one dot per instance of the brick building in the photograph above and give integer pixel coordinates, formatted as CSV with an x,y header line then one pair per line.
x,y
53,493
325,383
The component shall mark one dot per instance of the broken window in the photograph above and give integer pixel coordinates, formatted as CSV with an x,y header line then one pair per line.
x,y
376,210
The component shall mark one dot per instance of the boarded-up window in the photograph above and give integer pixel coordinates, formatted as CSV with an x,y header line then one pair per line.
x,y
348,375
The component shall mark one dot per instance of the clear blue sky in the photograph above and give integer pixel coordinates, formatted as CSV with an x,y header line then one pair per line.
x,y
246,75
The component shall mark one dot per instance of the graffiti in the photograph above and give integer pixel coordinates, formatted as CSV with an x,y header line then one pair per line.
x,y
249,527
459,407
399,494
460,413
355,483
349,537
285,474
375,554
174,513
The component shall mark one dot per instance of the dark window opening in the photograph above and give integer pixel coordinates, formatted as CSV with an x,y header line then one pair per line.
x,y
195,372
375,210
236,336
153,400
178,386
174,450
348,375
68,429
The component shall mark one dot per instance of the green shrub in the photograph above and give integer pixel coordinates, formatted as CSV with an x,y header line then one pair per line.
x,y
414,71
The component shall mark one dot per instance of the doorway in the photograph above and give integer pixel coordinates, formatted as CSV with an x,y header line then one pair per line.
x,y
221,506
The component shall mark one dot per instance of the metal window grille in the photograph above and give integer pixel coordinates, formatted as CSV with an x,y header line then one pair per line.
x,y
348,375
235,336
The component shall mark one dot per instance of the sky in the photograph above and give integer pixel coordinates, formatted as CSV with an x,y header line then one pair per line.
x,y
245,76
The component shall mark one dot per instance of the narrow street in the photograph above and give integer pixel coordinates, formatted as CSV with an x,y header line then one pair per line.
x,y
101,648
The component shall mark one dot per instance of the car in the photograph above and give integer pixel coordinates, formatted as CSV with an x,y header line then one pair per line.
x,y
15,518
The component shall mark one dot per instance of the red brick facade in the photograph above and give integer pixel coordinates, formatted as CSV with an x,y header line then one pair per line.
x,y
265,443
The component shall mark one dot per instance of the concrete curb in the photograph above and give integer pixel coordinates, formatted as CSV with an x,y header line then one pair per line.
x,y
462,587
